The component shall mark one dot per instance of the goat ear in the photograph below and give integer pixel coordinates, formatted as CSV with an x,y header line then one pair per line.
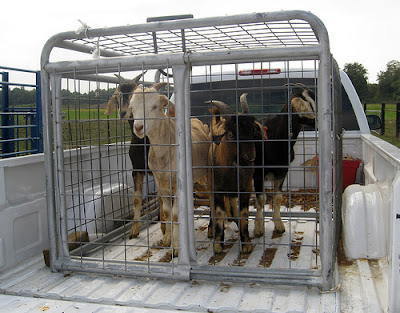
x,y
158,86
303,108
110,105
164,100
139,87
261,131
296,103
218,129
109,109
166,103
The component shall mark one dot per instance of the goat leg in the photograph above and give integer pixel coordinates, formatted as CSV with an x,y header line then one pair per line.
x,y
276,215
211,229
137,202
244,223
260,200
167,222
162,216
175,233
259,222
220,216
227,206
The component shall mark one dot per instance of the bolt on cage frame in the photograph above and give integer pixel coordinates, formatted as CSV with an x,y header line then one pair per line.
x,y
179,48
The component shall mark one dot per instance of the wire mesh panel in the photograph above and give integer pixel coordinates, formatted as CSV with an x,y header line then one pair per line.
x,y
107,189
203,157
270,87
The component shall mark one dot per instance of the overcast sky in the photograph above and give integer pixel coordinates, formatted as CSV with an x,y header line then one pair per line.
x,y
366,32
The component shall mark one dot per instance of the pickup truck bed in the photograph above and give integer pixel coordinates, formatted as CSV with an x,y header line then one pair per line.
x,y
32,287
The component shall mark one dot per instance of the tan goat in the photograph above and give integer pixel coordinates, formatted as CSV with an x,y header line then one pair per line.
x,y
151,121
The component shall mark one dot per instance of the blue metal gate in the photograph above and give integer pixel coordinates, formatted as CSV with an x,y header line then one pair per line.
x,y
21,123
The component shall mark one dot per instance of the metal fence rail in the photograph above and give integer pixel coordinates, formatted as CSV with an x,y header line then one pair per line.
x,y
92,187
21,124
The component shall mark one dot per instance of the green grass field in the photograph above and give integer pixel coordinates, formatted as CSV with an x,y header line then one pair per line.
x,y
390,121
91,127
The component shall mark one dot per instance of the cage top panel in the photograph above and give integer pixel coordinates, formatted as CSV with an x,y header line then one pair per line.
x,y
218,34
210,38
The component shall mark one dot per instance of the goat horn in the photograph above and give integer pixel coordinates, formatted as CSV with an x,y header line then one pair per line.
x,y
244,104
137,78
121,79
295,84
222,107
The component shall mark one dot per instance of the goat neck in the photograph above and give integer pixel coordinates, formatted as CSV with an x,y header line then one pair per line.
x,y
164,133
278,126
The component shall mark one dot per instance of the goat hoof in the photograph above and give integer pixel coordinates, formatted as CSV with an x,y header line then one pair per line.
x,y
163,228
258,232
280,230
210,233
134,230
218,248
247,248
175,251
258,229
166,241
279,227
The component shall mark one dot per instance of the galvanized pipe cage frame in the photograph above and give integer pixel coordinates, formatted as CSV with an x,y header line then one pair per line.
x,y
180,62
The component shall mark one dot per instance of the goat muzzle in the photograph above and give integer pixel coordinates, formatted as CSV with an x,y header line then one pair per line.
x,y
138,129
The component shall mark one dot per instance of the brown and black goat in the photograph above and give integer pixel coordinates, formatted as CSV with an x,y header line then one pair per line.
x,y
276,153
233,150
139,147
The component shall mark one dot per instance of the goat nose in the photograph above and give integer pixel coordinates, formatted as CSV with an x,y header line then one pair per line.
x,y
138,128
250,157
122,114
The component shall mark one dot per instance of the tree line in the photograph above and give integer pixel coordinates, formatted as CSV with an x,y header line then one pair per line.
x,y
20,97
386,89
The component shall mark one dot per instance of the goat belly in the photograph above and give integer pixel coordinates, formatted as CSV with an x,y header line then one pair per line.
x,y
227,179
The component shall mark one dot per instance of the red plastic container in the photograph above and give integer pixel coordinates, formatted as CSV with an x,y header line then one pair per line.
x,y
349,171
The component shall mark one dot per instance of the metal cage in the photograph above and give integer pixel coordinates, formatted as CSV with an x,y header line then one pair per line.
x,y
90,190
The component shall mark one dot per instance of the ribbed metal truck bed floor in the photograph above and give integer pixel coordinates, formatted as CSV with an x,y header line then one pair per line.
x,y
295,249
34,280
32,287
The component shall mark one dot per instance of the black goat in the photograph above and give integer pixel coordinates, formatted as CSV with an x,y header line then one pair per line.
x,y
233,150
277,153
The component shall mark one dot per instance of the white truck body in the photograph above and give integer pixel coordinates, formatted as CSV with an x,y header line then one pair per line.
x,y
368,282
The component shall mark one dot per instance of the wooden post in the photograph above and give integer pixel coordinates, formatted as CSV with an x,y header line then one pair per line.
x,y
383,107
397,119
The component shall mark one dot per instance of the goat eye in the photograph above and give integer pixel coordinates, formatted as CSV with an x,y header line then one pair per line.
x,y
153,108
